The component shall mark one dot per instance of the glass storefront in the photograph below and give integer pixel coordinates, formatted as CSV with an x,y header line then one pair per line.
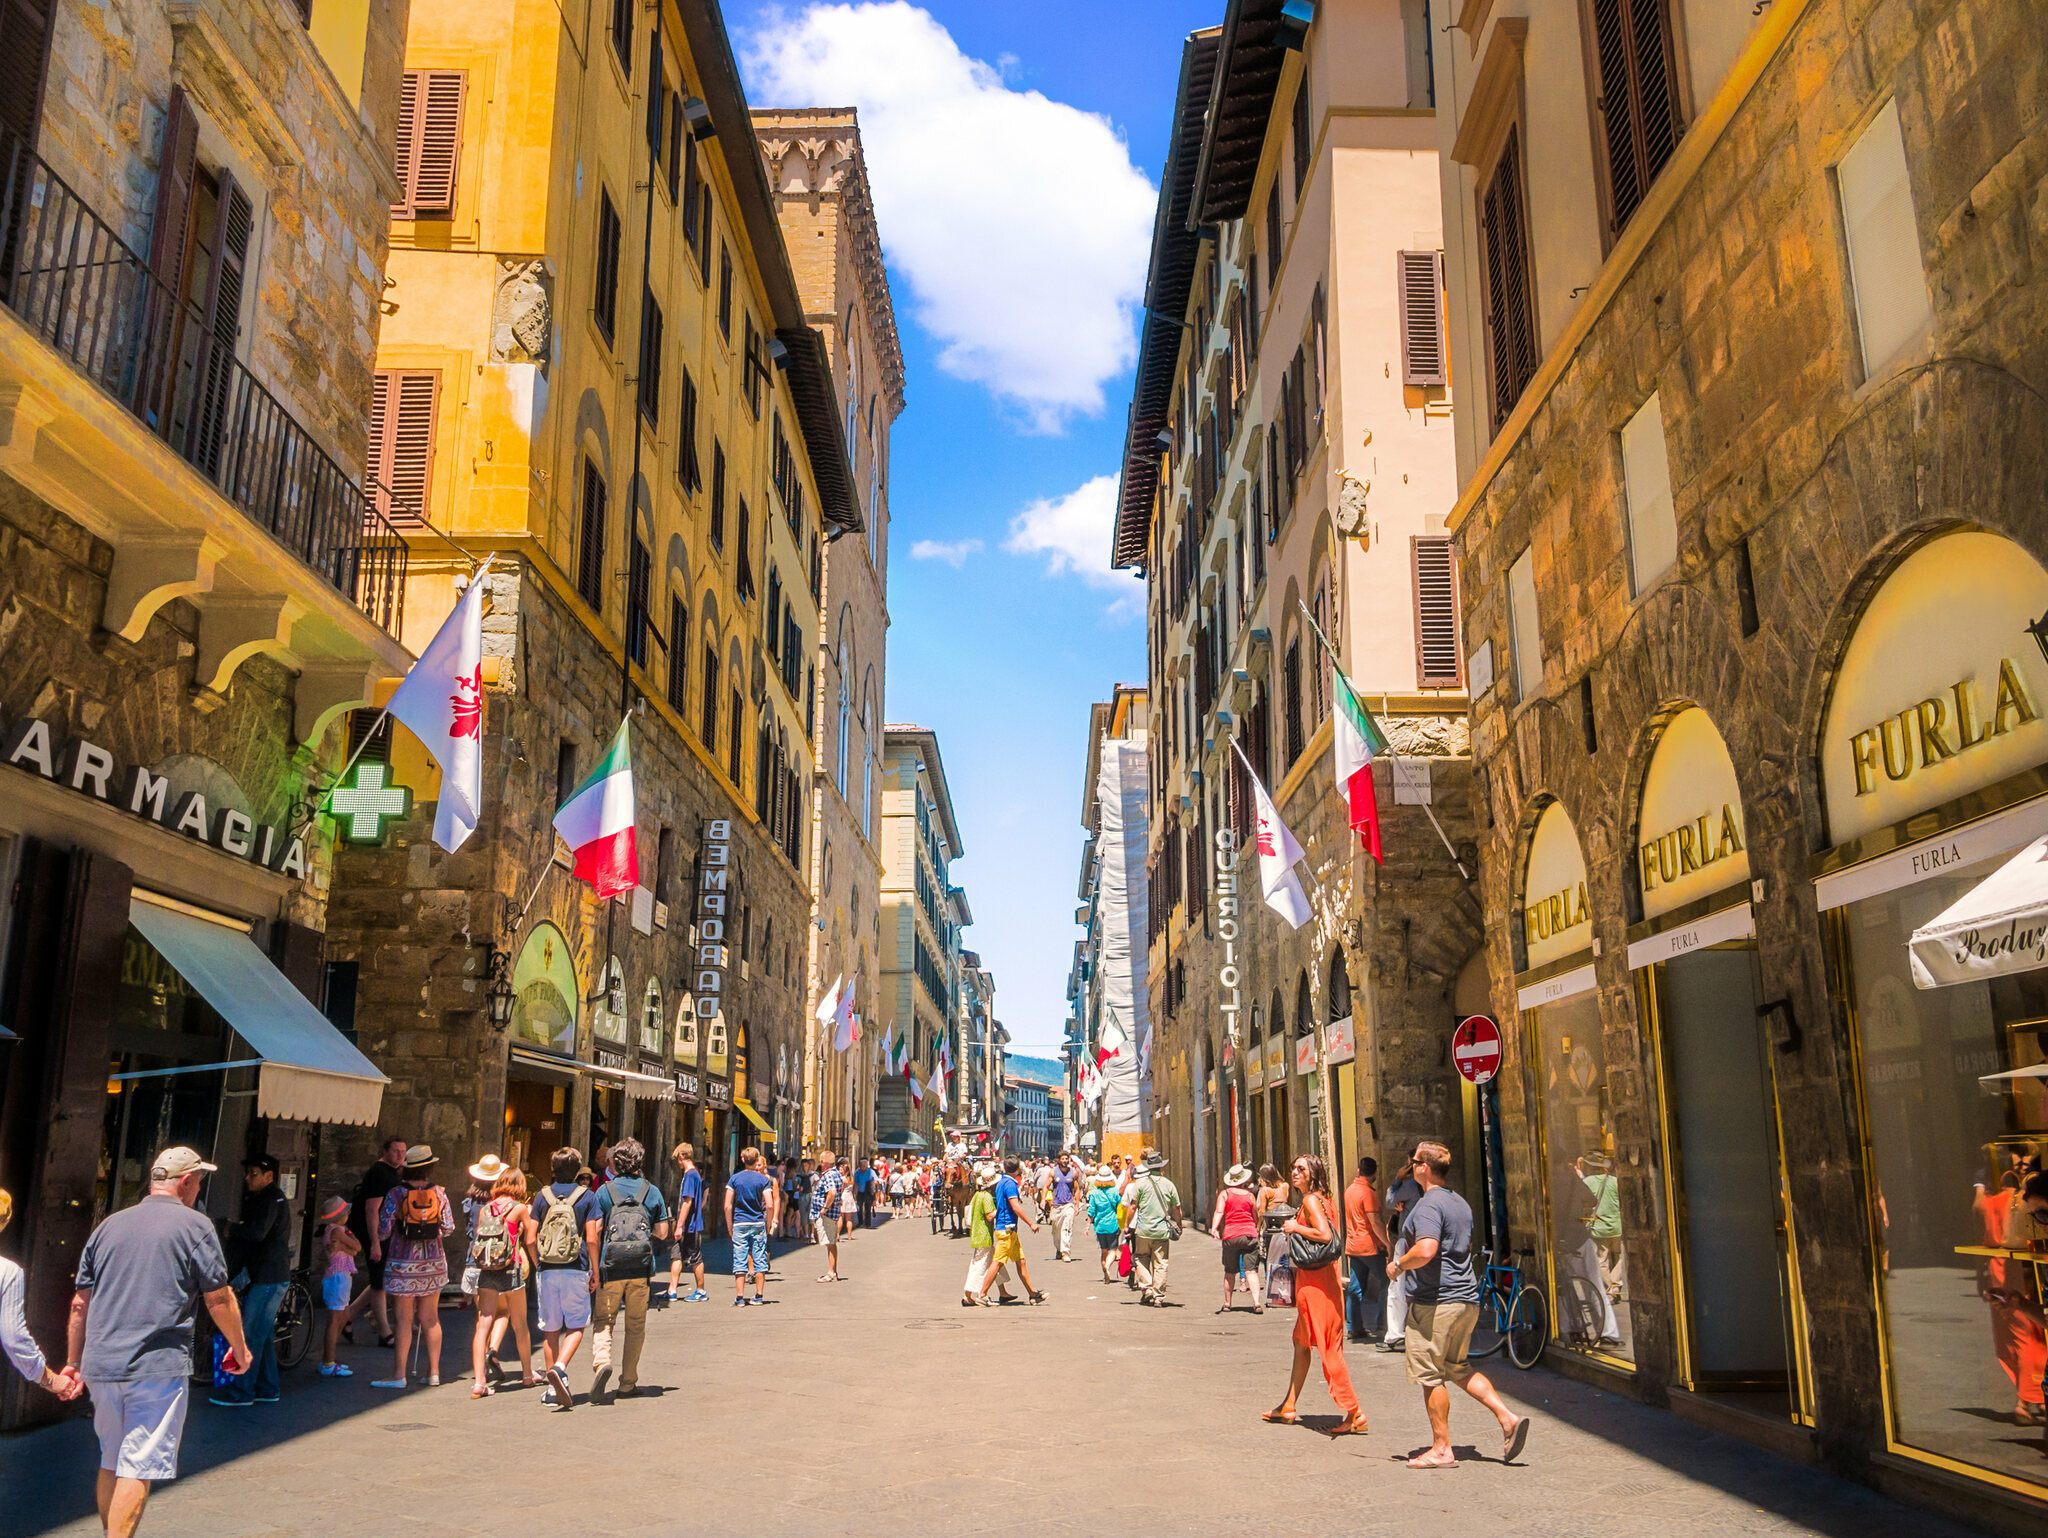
x,y
1589,1244
1949,1147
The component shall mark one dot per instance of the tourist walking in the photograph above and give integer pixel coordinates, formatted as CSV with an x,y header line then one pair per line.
x,y
259,1248
633,1219
750,1211
1314,1242
1275,1206
339,1248
1066,1204
377,1183
567,1222
1365,1252
689,1228
1443,1307
826,1189
1402,1194
864,1194
1105,1218
413,1225
1236,1223
981,1239
20,1346
1155,1223
497,1249
1008,1247
142,1276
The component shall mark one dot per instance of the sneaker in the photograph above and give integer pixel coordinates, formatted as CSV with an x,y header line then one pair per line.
x,y
336,1370
699,1296
738,1301
597,1384
266,1399
389,1383
1393,1345
547,1395
564,1400
630,1391
229,1404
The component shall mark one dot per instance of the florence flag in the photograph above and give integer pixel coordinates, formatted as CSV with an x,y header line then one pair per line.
x,y
845,1021
888,1051
828,1006
596,822
1111,1042
1279,883
441,702
1359,739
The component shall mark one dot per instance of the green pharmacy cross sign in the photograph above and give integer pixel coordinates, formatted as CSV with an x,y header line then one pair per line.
x,y
362,806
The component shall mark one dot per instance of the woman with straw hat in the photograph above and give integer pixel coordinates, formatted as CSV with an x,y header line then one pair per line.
x,y
15,1340
1236,1223
414,1223
981,1238
502,1229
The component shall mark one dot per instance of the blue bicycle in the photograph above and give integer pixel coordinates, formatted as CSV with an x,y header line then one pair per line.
x,y
1512,1311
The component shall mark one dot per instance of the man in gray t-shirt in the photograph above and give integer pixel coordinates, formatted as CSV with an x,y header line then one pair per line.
x,y
141,1279
1155,1215
1435,1266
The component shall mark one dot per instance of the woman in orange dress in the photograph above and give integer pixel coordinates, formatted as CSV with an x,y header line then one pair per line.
x,y
1318,1303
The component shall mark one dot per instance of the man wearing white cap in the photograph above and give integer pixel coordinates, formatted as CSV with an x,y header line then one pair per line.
x,y
141,1278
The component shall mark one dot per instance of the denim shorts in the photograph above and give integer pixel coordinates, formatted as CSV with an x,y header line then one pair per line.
x,y
334,1291
564,1297
749,1248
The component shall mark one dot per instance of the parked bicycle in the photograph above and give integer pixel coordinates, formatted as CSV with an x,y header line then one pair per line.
x,y
294,1333
1512,1311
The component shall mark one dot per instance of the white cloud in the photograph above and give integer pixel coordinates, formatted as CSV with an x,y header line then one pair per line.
x,y
1018,222
953,552
1073,533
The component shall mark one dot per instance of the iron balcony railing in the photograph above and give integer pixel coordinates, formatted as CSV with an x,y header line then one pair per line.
x,y
80,288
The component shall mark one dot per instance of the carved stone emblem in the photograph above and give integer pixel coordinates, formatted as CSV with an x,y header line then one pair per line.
x,y
522,313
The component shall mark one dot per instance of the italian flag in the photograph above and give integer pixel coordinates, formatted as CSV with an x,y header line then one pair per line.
x,y
1359,740
597,823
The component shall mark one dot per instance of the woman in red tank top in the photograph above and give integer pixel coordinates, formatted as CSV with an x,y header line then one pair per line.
x,y
1236,1223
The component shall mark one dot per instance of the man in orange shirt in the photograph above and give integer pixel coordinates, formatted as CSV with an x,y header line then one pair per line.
x,y
1365,1251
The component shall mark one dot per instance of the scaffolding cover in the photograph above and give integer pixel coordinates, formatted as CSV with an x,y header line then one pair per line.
x,y
1121,840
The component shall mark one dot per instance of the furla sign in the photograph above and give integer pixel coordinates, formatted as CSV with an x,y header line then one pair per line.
x,y
88,769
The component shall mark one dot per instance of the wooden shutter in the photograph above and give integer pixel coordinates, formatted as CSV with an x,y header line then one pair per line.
x,y
606,297
220,318
622,33
429,143
1302,147
404,406
657,94
25,27
688,467
1508,291
1439,659
1419,276
169,236
1638,99
590,558
650,357
639,575
693,222
678,653
676,151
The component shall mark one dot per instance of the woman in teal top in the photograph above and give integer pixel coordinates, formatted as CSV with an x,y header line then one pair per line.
x,y
1102,1213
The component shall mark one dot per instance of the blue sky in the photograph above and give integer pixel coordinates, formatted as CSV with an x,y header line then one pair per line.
x,y
1014,149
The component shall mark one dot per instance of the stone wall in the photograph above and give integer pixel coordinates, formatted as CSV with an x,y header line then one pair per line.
x,y
1738,314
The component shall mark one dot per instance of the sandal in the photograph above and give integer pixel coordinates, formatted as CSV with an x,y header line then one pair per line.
x,y
1278,1417
483,1391
1353,1425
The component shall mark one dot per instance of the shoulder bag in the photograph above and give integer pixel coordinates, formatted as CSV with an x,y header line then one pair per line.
x,y
1310,1255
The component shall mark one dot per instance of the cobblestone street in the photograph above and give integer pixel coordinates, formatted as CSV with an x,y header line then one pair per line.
x,y
881,1406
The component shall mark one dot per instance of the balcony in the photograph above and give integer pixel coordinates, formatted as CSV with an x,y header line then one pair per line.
x,y
119,408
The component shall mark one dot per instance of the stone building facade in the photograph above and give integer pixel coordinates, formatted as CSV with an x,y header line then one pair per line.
x,y
828,220
599,369
1288,471
195,586
1751,536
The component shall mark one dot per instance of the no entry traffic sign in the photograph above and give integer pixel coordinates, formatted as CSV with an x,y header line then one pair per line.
x,y
1476,1048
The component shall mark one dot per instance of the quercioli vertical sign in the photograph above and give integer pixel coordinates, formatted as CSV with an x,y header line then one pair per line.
x,y
1230,976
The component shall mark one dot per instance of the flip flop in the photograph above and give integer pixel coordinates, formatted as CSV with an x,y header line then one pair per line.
x,y
1274,1417
1353,1425
1515,1441
1416,1463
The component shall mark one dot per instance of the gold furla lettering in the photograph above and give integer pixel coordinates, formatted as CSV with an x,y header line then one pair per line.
x,y
1923,735
1690,847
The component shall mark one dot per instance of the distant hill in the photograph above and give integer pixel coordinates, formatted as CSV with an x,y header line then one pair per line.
x,y
1039,1070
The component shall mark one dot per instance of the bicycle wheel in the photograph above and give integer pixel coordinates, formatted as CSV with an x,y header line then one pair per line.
x,y
1528,1330
294,1335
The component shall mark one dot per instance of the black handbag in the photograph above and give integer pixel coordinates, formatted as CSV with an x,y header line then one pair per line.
x,y
1308,1255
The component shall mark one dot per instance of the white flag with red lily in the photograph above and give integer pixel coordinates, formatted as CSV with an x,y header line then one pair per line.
x,y
938,1087
1278,855
846,1024
441,702
1111,1042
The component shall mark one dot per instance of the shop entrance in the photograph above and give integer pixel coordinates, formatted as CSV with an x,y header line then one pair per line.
x,y
1722,1165
536,1124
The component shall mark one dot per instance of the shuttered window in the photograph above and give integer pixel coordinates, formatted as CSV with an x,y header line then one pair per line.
x,y
694,223
1439,661
404,404
678,653
429,145
1420,275
25,30
745,580
590,551
709,732
650,358
689,468
676,140
1302,147
639,571
657,97
1638,103
622,33
717,495
1291,676
1509,291
606,301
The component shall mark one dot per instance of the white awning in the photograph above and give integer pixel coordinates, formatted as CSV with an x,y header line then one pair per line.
x,y
638,1086
1999,926
310,1072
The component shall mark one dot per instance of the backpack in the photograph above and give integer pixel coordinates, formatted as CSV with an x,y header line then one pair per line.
x,y
560,1242
492,1248
628,1230
419,1213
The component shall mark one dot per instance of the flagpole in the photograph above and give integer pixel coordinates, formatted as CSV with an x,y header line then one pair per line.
x,y
1392,757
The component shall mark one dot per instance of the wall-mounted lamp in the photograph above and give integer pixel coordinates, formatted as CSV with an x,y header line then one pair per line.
x,y
499,1000
778,354
1296,17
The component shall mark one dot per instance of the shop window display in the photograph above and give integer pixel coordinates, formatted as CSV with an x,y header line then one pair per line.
x,y
1589,1243
1956,1113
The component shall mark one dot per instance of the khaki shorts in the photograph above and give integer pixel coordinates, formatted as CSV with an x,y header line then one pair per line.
x,y
1439,1335
825,1227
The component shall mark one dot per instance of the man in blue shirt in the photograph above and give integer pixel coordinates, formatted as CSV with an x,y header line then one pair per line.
x,y
864,1194
1010,1211
752,1200
564,1271
689,1228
